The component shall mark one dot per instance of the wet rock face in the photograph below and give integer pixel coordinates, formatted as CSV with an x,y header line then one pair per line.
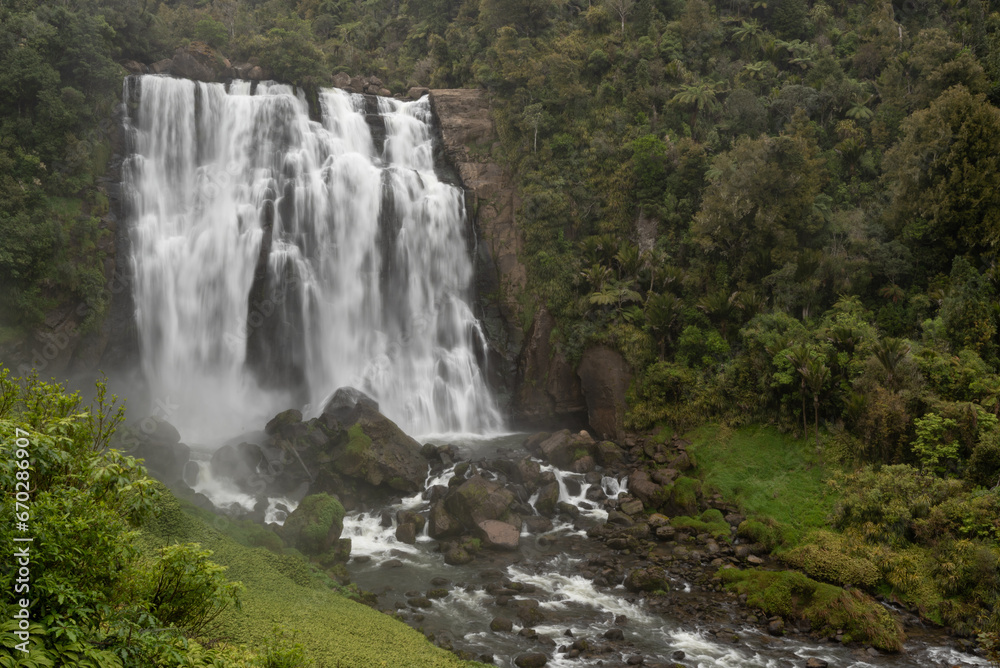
x,y
604,379
351,450
547,391
157,442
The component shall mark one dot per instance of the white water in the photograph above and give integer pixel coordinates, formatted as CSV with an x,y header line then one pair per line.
x,y
366,276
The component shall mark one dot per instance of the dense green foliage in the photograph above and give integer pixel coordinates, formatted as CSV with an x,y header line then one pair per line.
x,y
120,575
95,598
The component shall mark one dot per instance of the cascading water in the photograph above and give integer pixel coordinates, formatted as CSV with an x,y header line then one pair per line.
x,y
277,258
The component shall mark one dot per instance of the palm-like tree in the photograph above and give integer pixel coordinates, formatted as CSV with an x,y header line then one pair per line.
x,y
890,352
799,355
859,111
663,314
814,374
698,97
597,276
629,260
721,307
750,32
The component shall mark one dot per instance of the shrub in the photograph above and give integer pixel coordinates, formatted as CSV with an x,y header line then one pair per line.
x,y
984,464
828,608
829,557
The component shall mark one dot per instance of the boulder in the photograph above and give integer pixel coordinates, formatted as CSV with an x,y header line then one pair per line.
x,y
548,499
406,533
162,66
813,662
530,660
478,499
345,400
633,507
584,464
442,524
315,525
417,92
408,526
563,448
135,67
649,579
528,472
604,380
165,461
376,450
501,625
282,420
644,489
342,80
609,455
240,464
499,535
457,556
199,61
538,524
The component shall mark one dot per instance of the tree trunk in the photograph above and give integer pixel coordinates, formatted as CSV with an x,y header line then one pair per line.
x,y
816,413
805,425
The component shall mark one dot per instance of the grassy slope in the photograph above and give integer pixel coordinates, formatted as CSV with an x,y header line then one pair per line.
x,y
767,473
334,630
772,475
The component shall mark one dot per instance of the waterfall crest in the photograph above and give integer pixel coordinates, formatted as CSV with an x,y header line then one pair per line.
x,y
277,258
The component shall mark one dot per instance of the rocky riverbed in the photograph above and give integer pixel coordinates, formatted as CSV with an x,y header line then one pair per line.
x,y
521,550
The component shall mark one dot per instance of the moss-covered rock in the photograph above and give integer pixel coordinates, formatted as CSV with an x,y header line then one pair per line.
x,y
315,525
826,556
766,532
711,522
683,497
827,608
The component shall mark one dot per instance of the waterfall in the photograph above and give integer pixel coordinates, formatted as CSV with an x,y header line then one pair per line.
x,y
277,258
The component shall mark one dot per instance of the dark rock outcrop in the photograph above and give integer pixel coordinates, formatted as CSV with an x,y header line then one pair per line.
x,y
604,379
477,500
199,61
649,579
548,392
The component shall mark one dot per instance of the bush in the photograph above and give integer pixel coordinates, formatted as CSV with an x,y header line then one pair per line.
x,y
828,608
984,464
96,600
829,557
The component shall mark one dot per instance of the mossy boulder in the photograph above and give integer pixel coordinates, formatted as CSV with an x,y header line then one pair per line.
x,y
711,522
609,455
766,532
547,502
827,608
315,525
826,556
683,497
375,449
649,579
442,523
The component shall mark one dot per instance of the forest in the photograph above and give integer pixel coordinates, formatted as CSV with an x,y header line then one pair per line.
x,y
783,213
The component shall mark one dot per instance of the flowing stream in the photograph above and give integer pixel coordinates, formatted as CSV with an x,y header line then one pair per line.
x,y
277,258
549,564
